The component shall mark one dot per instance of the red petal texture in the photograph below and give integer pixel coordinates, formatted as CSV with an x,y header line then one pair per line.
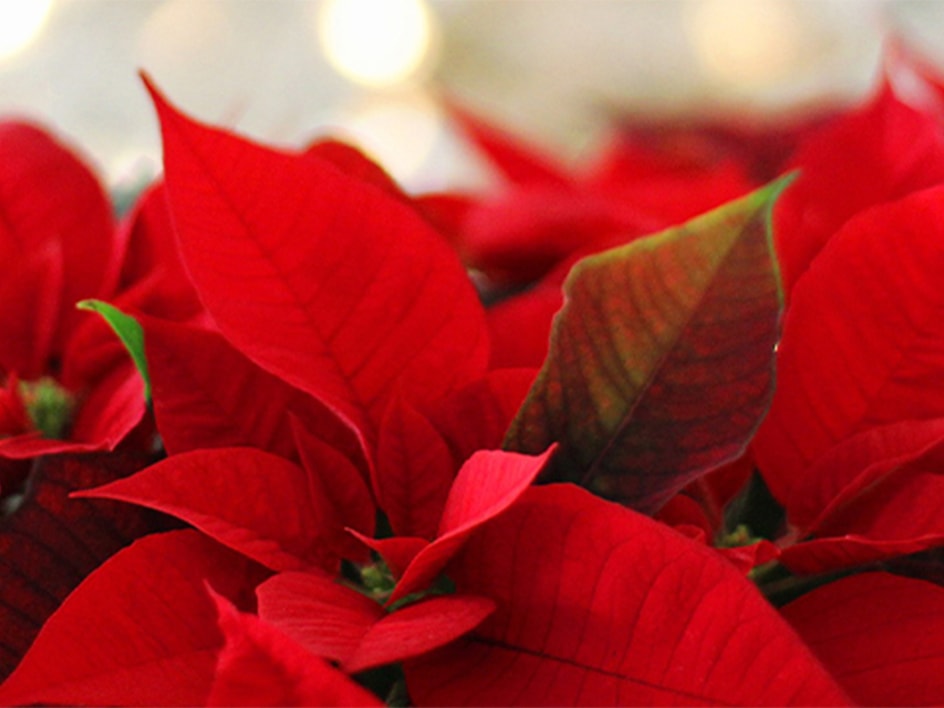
x,y
413,472
140,630
880,635
879,153
51,542
598,605
252,501
48,196
318,277
335,622
520,326
488,484
259,666
855,357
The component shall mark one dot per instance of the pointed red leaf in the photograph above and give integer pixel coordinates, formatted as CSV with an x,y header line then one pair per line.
x,y
318,277
413,472
661,361
854,358
260,666
51,542
880,635
598,605
140,630
397,551
488,484
252,501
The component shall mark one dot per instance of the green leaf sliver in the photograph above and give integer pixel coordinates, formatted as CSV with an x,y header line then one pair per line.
x,y
661,364
128,330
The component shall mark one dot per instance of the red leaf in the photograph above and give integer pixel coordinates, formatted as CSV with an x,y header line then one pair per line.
x,y
661,361
51,542
259,666
413,472
207,394
598,605
880,635
520,326
140,630
854,358
252,501
488,484
29,316
342,290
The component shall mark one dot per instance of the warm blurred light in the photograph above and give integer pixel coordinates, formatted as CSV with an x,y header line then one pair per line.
x,y
745,42
399,131
375,42
21,21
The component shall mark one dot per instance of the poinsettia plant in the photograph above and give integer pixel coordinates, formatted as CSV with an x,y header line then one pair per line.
x,y
683,442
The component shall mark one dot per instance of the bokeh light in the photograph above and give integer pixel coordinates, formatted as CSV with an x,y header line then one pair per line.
x,y
21,21
745,42
375,42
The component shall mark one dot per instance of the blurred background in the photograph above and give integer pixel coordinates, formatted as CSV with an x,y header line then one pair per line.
x,y
557,71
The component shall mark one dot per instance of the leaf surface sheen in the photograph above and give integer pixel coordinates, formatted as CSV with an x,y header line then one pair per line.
x,y
320,278
661,361
599,605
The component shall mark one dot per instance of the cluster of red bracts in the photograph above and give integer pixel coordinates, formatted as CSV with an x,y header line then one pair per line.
x,y
690,450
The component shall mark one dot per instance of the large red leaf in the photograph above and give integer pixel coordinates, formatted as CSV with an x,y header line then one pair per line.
x,y
318,277
140,630
29,316
51,542
854,357
880,635
260,666
598,605
661,362
250,500
487,485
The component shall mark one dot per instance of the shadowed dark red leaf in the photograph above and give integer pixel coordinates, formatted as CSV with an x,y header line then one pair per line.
x,y
260,666
598,605
252,501
661,362
318,277
880,635
140,630
207,394
50,543
488,484
853,357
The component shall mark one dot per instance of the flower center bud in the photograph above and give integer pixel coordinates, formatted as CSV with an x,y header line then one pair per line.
x,y
49,406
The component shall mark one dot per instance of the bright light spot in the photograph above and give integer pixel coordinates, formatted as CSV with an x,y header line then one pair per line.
x,y
399,132
745,42
21,21
375,42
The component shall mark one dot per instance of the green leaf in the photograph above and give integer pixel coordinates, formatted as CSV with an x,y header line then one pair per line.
x,y
129,332
661,363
